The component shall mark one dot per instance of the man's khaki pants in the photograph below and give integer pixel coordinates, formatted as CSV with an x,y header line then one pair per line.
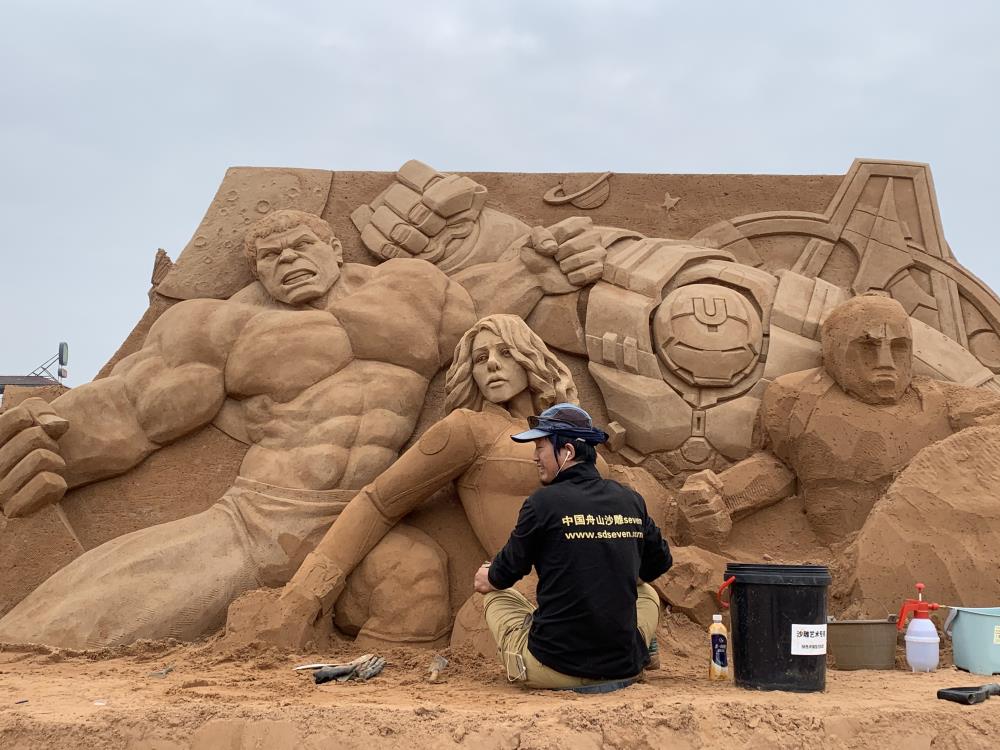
x,y
508,616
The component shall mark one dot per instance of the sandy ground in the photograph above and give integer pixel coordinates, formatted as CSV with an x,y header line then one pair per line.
x,y
249,697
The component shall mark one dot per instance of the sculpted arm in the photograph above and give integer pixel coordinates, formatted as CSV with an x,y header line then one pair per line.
x,y
556,260
442,218
710,502
441,455
172,386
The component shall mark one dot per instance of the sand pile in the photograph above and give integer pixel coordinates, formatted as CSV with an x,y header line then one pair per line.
x,y
217,696
939,523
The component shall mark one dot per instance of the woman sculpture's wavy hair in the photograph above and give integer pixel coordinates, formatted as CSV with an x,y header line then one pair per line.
x,y
549,380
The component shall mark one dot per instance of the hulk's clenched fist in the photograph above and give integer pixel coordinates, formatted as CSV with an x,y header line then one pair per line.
x,y
30,465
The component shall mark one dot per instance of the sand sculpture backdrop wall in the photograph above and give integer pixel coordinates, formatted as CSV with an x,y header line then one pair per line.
x,y
763,259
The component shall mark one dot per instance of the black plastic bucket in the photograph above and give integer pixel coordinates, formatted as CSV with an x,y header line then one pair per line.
x,y
778,625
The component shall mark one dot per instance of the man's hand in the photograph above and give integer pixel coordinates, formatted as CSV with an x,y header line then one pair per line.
x,y
30,464
705,520
566,256
482,583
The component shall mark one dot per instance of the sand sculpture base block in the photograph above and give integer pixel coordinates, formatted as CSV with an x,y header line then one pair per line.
x,y
939,524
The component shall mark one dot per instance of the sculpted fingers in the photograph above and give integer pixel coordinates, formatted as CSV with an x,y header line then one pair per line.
x,y
38,461
45,416
584,242
704,481
398,231
43,489
29,457
586,276
453,195
23,443
582,258
594,256
700,496
12,422
381,245
705,518
714,480
571,227
407,204
543,242
417,175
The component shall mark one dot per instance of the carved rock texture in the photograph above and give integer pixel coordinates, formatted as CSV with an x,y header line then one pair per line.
x,y
939,524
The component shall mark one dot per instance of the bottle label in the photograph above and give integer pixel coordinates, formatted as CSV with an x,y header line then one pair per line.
x,y
809,640
719,650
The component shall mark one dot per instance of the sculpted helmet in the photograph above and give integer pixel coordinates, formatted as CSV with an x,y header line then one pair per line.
x,y
708,335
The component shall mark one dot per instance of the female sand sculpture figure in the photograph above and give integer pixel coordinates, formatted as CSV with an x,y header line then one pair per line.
x,y
502,373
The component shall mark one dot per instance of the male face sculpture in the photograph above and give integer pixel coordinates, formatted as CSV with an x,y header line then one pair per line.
x,y
296,266
868,348
707,335
497,374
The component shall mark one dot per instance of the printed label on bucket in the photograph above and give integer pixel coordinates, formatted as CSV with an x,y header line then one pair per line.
x,y
809,640
996,636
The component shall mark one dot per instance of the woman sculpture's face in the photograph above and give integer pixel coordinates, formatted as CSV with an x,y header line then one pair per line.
x,y
496,372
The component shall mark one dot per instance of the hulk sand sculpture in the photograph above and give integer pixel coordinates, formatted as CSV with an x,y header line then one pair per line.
x,y
255,400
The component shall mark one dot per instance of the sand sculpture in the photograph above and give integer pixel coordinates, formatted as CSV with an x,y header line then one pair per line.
x,y
672,343
501,374
840,432
939,521
682,339
310,363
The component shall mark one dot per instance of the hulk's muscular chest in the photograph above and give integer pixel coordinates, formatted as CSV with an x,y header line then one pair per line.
x,y
280,354
391,314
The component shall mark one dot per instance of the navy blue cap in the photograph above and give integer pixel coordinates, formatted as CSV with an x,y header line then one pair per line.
x,y
567,420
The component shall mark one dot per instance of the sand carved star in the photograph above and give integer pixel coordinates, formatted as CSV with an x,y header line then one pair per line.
x,y
668,202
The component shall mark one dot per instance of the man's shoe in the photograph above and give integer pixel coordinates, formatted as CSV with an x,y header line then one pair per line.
x,y
654,655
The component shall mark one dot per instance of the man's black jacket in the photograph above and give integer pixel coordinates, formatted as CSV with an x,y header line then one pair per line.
x,y
590,539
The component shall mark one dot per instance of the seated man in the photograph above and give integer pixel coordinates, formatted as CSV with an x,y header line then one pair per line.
x,y
589,540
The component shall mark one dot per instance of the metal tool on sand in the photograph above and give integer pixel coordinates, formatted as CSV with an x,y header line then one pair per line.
x,y
363,668
969,696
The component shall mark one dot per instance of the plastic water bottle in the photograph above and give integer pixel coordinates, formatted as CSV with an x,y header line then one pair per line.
x,y
922,640
718,669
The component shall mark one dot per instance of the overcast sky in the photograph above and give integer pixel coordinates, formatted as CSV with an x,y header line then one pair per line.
x,y
119,119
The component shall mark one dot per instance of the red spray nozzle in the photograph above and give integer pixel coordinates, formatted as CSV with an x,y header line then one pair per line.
x,y
921,610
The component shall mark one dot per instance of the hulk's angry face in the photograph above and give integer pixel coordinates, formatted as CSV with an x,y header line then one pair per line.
x,y
707,335
297,266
